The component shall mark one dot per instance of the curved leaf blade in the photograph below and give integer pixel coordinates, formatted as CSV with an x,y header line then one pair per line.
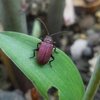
x,y
63,74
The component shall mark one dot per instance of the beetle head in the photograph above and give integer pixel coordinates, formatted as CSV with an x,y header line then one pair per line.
x,y
48,39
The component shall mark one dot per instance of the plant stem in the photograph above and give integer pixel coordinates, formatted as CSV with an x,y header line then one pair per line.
x,y
94,82
55,15
12,16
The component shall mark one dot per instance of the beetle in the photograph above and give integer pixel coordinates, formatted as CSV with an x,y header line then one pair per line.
x,y
45,48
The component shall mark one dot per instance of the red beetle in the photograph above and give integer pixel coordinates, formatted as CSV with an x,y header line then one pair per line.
x,y
44,49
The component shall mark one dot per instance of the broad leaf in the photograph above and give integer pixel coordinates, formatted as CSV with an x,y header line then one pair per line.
x,y
63,74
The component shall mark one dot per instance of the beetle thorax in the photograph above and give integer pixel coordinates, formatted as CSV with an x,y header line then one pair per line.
x,y
48,39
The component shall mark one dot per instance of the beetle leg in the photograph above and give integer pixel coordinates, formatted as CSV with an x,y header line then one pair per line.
x,y
36,49
41,39
51,60
34,52
38,44
55,50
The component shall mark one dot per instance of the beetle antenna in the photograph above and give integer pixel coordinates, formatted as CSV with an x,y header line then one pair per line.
x,y
44,25
59,32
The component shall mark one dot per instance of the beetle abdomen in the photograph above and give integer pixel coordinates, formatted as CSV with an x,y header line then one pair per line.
x,y
44,53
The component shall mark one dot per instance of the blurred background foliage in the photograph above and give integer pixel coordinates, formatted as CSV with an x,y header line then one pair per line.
x,y
81,41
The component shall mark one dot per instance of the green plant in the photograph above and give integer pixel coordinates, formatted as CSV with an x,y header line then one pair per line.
x,y
93,83
63,74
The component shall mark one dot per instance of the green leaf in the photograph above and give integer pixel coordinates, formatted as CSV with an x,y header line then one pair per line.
x,y
63,74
